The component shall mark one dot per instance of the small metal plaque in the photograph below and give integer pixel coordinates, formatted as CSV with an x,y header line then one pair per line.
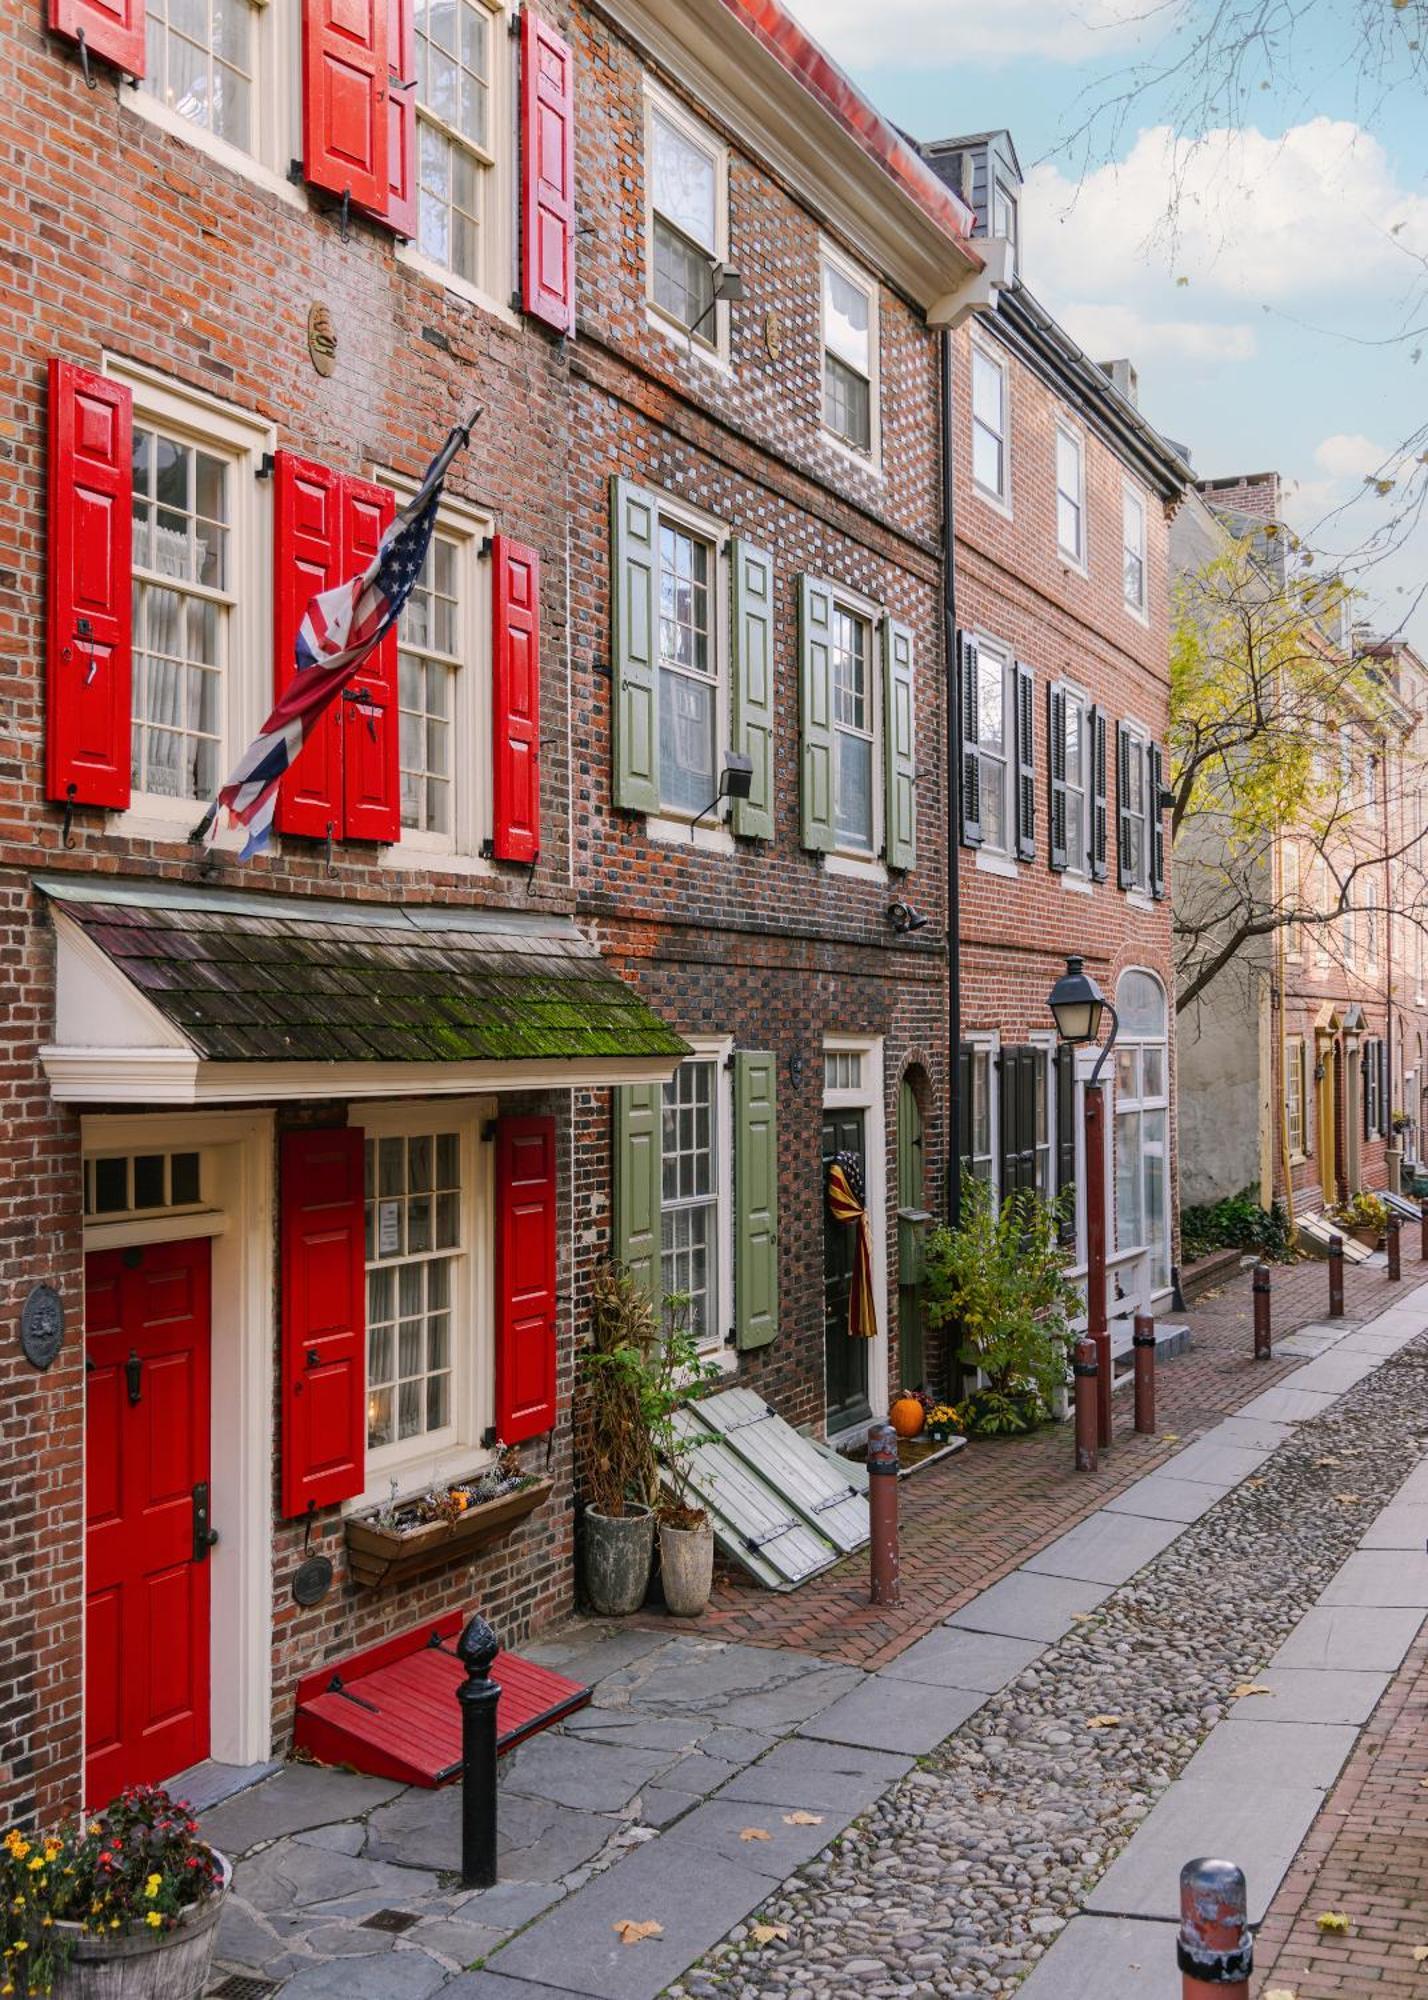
x,y
321,339
42,1326
312,1579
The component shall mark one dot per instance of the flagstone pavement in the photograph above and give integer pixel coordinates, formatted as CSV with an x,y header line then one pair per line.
x,y
715,1782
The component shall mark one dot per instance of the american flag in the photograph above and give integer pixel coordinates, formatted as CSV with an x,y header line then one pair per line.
x,y
339,630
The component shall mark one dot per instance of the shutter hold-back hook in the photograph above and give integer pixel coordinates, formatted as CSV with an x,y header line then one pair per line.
x,y
90,79
67,830
346,211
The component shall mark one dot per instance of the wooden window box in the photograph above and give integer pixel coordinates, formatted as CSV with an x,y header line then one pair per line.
x,y
378,1555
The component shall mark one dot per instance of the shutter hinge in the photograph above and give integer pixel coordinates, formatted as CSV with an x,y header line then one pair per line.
x,y
488,1130
603,668
513,27
488,542
267,466
488,850
490,1438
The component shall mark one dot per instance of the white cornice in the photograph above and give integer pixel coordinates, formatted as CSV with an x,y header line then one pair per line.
x,y
178,1076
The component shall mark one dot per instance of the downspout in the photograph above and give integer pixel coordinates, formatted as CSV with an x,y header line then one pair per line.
x,y
954,793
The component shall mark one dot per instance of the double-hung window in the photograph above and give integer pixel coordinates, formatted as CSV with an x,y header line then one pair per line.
x,y
1134,807
686,176
1295,1094
854,729
1133,541
688,666
200,62
850,344
1079,754
1142,1112
1371,925
1291,894
1070,497
458,109
1348,945
994,743
981,1157
990,468
418,1244
689,1207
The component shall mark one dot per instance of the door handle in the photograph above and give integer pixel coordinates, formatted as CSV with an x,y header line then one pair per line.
x,y
204,1537
314,1359
134,1376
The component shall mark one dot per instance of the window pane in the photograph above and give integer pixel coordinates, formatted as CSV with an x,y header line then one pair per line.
x,y
991,704
855,790
199,62
847,403
987,459
683,279
987,388
847,312
683,183
1068,525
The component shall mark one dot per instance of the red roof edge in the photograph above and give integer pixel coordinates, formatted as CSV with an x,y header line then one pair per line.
x,y
821,77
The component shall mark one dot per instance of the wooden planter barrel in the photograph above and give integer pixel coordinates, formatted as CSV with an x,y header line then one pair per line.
x,y
377,1555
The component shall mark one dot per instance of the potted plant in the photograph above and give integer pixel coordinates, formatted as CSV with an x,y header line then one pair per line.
x,y
1364,1216
621,1476
1001,1278
686,1537
121,1906
944,1422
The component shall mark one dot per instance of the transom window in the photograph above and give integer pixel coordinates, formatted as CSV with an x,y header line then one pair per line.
x,y
1133,537
689,1209
853,728
989,424
849,332
688,678
842,1069
142,1183
414,1247
684,196
1070,497
181,606
428,662
199,61
455,41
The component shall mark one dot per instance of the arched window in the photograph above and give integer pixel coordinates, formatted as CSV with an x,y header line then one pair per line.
x,y
1143,1122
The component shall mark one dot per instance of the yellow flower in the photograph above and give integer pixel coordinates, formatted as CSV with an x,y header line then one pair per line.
x,y
95,1827
113,1923
37,1862
154,1919
153,1885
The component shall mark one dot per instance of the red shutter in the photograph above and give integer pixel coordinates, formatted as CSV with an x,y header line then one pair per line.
x,y
515,689
113,29
547,174
344,112
369,721
324,1326
401,210
308,556
525,1277
89,674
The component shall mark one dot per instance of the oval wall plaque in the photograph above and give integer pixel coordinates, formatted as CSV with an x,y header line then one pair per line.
x,y
321,339
312,1579
42,1326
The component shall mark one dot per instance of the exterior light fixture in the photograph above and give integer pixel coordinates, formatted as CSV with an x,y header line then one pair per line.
x,y
727,289
1076,1003
736,781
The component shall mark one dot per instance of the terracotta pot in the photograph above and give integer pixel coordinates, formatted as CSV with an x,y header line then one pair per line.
x,y
686,1567
140,1964
618,1550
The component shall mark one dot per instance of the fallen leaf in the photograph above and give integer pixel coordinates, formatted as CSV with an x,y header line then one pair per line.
x,y
1348,1499
1170,1437
1104,1722
754,1833
1279,1993
766,1933
1249,1687
1420,1953
801,1818
1333,1920
1082,1617
1328,1461
1254,1482
630,1932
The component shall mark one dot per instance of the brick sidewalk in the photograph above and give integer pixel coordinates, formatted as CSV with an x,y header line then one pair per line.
x,y
1366,1856
968,1521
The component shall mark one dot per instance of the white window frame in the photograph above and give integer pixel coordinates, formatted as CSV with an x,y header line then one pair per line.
x,y
1133,503
1137,1107
1296,1081
1373,1085
992,653
986,1045
1319,879
863,860
675,823
1078,875
1000,190
869,1098
1291,892
1074,558
1138,892
434,1459
711,343
277,102
1348,934
471,748
998,497
1371,917
1045,1043
831,258
492,292
247,696
717,1050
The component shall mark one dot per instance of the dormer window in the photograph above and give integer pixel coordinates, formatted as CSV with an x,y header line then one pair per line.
x,y
1004,219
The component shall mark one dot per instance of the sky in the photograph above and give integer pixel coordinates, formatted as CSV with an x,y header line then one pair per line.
x,y
1269,309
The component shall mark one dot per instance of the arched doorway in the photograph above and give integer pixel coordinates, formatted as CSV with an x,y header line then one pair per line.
x,y
1142,1137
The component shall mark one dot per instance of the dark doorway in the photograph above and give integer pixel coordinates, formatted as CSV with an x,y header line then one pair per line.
x,y
846,1359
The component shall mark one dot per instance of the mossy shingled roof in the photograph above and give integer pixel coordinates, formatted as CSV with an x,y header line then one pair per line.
x,y
265,979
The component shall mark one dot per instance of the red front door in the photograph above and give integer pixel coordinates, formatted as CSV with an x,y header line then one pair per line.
x,y
146,1575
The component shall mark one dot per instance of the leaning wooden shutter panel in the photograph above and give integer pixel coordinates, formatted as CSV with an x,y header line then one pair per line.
x,y
111,29
815,710
899,746
1100,804
752,572
89,670
308,548
1126,748
1066,1138
547,174
515,701
1056,773
1156,780
525,1277
344,88
324,1317
755,1199
370,715
638,1115
1025,762
634,639
969,662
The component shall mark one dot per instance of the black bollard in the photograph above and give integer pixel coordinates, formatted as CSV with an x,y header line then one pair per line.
x,y
1423,1232
1263,1351
885,1584
1395,1247
478,1694
1215,1948
1336,1277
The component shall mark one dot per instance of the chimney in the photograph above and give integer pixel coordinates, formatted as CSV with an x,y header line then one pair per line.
x,y
1123,379
1254,493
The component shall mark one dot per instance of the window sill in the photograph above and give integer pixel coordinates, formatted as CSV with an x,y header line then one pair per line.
x,y
855,867
1077,885
459,288
152,817
1136,611
1139,899
415,1473
1073,564
704,838
866,461
688,344
437,861
993,500
991,862
144,105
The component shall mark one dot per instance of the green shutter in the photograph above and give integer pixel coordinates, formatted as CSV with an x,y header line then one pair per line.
x,y
634,536
638,1109
753,574
815,711
899,746
755,1199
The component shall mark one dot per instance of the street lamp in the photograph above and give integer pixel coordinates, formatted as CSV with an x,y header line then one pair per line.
x,y
1077,1004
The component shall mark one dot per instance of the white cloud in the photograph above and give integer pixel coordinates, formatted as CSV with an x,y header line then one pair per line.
x,y
901,32
1106,331
1349,456
1238,214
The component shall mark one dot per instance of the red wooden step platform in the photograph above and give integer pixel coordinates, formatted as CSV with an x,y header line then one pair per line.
x,y
392,1710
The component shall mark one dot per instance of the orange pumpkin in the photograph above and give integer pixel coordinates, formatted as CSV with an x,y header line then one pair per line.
x,y
907,1416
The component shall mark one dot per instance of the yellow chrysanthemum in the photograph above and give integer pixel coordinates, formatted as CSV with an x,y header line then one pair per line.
x,y
37,1862
153,1885
154,1919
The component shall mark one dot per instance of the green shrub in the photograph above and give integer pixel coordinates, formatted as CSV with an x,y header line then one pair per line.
x,y
1236,1223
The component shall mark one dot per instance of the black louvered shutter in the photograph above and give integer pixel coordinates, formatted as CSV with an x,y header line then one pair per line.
x,y
1126,748
1017,1069
969,669
1157,821
1100,811
1366,1063
1056,772
1025,764
1383,1116
1066,1136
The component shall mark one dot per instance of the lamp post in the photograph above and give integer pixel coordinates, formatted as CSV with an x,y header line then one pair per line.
x,y
1077,1004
